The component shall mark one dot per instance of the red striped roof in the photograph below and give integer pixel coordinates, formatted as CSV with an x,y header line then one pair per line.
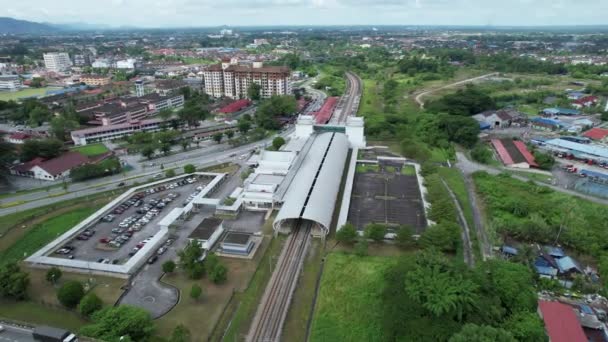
x,y
324,114
561,322
521,147
235,106
502,152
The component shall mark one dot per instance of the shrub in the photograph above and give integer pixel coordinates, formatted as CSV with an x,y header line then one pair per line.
x,y
89,304
70,294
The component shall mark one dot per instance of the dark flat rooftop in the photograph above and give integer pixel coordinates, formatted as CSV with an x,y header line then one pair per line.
x,y
237,238
206,228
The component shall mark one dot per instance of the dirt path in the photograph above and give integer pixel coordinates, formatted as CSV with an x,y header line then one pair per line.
x,y
419,97
469,258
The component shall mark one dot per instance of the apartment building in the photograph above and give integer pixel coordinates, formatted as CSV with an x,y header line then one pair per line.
x,y
230,79
57,61
10,83
95,80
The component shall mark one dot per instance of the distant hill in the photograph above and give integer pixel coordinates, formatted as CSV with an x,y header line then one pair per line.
x,y
15,26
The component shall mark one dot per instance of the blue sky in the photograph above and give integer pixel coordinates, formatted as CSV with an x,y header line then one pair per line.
x,y
196,13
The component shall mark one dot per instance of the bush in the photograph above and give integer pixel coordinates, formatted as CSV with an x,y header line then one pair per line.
x,y
189,168
277,143
404,237
443,236
347,234
70,294
117,323
13,282
170,173
196,291
53,275
218,274
168,266
481,153
89,304
375,231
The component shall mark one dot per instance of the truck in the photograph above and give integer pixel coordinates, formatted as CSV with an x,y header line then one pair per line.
x,y
50,334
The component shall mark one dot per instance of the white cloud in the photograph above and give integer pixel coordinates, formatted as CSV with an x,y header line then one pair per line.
x,y
158,13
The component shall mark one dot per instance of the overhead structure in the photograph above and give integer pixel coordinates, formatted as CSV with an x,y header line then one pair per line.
x,y
312,195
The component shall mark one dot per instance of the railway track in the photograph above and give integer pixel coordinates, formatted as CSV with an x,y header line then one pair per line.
x,y
270,316
349,103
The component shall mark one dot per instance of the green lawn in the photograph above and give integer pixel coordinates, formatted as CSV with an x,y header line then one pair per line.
x,y
349,307
37,314
43,233
408,170
91,150
16,95
362,168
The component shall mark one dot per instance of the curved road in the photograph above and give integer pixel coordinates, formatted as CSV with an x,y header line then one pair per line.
x,y
419,97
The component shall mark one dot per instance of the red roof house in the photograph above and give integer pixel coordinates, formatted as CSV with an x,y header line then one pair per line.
x,y
561,323
596,133
514,153
51,169
18,138
586,101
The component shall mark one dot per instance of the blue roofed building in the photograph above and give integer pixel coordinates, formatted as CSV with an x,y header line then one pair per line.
x,y
544,124
555,252
560,111
508,251
546,272
582,151
567,266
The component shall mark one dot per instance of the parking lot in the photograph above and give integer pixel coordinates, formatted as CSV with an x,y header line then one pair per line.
x,y
386,197
130,224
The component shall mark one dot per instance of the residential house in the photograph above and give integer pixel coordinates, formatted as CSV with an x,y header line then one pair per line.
x,y
51,169
499,118
586,102
561,323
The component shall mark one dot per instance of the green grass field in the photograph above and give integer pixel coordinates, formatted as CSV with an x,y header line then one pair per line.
x,y
37,314
349,307
408,170
43,233
91,150
16,95
363,168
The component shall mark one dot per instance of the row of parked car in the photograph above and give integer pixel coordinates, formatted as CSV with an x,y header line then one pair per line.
x,y
135,200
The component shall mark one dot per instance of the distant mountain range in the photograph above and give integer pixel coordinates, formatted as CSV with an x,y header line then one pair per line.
x,y
15,26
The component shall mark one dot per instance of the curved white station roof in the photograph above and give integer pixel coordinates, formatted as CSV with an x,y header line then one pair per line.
x,y
313,192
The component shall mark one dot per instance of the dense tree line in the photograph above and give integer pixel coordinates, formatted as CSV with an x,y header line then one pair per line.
x,y
270,110
468,101
43,148
106,167
431,298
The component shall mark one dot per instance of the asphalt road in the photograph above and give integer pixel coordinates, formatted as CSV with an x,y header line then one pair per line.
x,y
200,158
16,334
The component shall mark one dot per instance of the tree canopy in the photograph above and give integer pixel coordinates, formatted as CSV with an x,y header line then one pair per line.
x,y
111,323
